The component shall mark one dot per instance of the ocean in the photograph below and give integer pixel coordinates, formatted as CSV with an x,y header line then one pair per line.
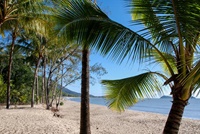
x,y
162,106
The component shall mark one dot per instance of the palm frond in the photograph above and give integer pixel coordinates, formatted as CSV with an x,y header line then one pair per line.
x,y
196,90
188,16
126,92
158,20
83,21
167,20
171,59
193,75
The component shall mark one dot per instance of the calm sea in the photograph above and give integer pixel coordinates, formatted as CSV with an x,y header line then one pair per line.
x,y
161,106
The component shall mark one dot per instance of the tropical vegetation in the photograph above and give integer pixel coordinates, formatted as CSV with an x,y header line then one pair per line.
x,y
170,38
36,58
25,42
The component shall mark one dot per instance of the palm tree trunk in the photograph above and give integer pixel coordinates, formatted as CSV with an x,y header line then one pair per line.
x,y
10,69
37,90
174,118
34,83
85,109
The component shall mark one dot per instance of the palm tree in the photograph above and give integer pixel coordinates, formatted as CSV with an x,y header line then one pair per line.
x,y
33,45
15,15
85,96
14,36
170,37
18,10
173,35
85,111
40,55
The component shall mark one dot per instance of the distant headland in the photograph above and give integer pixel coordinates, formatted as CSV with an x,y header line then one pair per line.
x,y
168,96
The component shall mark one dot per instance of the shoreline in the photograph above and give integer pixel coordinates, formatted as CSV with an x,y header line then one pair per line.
x,y
38,120
186,114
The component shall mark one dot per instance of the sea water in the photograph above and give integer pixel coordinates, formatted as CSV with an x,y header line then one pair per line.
x,y
162,106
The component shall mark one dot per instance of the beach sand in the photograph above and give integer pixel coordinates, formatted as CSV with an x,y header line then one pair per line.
x,y
37,120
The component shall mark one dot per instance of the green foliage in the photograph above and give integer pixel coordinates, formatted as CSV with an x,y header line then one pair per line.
x,y
61,103
22,76
142,86
15,96
2,90
68,95
169,36
21,80
103,34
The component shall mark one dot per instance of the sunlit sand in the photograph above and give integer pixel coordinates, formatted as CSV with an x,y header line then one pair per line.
x,y
26,120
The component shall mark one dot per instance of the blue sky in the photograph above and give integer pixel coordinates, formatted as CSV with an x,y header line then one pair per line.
x,y
117,11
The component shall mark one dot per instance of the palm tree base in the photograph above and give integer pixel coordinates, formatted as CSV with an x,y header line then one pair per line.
x,y
174,118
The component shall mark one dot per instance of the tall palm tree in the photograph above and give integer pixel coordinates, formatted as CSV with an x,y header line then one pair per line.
x,y
18,14
85,96
85,108
85,86
33,45
14,36
170,37
40,55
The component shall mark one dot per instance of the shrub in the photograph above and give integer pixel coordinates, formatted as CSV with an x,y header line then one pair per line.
x,y
61,103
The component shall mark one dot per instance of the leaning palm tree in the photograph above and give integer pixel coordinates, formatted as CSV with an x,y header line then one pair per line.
x,y
173,35
32,43
170,38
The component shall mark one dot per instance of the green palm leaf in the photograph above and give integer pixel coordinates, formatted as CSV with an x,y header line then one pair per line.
x,y
149,14
159,17
165,21
83,21
171,59
170,37
153,14
196,90
124,93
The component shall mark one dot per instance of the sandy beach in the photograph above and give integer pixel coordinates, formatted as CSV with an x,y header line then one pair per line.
x,y
37,120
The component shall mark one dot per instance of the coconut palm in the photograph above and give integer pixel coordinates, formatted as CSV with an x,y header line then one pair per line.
x,y
15,15
13,11
170,38
174,35
32,43
85,109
